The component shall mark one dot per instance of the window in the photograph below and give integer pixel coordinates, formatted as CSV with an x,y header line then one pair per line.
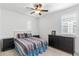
x,y
68,24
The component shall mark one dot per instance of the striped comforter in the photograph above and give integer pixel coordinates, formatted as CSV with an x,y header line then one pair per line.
x,y
30,46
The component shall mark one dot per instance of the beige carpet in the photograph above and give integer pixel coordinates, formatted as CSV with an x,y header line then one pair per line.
x,y
49,52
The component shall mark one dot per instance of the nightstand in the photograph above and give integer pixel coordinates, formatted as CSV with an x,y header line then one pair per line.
x,y
8,44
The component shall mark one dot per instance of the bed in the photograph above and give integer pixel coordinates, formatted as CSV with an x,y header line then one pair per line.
x,y
26,45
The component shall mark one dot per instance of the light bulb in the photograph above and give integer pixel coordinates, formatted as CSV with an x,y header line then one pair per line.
x,y
37,11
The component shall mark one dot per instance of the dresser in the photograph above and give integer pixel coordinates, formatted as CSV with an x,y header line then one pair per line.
x,y
63,43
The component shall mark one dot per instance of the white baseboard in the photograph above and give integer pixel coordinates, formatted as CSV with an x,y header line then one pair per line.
x,y
76,54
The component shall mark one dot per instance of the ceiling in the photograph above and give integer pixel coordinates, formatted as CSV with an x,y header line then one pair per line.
x,y
20,7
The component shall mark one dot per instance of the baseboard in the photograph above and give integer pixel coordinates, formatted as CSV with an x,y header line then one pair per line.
x,y
76,54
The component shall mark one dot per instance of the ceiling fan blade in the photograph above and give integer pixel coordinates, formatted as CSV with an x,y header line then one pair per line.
x,y
32,12
44,10
40,14
30,8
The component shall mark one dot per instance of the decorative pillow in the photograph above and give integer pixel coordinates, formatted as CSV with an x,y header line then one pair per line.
x,y
20,36
25,34
29,35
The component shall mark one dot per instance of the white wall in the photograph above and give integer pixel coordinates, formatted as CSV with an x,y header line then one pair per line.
x,y
0,20
0,30
12,22
53,22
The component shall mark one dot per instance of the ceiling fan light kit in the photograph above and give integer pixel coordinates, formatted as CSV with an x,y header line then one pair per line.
x,y
38,8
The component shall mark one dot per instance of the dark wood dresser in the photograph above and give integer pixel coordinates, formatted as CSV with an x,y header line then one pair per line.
x,y
63,43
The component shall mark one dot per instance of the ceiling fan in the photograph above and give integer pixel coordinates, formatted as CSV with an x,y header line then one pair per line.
x,y
38,8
